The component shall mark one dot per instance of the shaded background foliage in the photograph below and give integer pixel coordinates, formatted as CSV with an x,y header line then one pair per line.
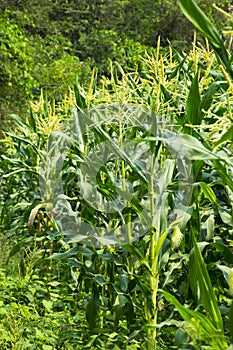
x,y
45,44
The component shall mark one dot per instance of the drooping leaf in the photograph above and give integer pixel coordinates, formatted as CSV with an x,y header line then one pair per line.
x,y
224,250
209,193
226,137
190,315
72,252
221,169
92,313
198,18
184,145
228,275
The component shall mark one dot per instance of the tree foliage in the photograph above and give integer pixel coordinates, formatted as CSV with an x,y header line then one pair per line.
x,y
44,44
16,63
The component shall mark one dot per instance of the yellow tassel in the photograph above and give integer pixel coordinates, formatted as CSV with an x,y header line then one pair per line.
x,y
177,236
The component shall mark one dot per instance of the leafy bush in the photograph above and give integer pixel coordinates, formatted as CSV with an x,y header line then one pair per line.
x,y
36,313
15,68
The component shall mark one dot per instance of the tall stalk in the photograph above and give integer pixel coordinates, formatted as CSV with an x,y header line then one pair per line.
x,y
154,277
124,188
154,236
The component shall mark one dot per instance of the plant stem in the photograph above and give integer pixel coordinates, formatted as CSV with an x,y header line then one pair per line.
x,y
153,258
126,204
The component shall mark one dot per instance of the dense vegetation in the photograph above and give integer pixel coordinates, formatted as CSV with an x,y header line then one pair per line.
x,y
116,194
46,44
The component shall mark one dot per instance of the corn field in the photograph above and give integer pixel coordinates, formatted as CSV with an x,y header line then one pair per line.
x,y
116,208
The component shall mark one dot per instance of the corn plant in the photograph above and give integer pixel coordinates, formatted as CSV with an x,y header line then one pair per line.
x,y
154,245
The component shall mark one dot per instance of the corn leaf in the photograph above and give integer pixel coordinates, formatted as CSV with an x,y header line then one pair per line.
x,y
206,290
208,96
188,314
79,96
198,18
224,250
202,324
227,136
193,115
209,193
91,313
223,174
185,145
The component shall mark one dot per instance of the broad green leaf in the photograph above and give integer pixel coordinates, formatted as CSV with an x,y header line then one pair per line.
x,y
210,227
47,347
48,304
92,313
134,251
184,145
207,99
99,279
91,341
22,170
133,335
228,275
160,243
124,281
193,12
106,240
72,252
79,130
76,238
119,308
119,311
145,288
206,290
18,246
224,250
192,272
220,168
198,18
79,96
226,216
193,112
167,94
194,317
204,327
227,136
209,193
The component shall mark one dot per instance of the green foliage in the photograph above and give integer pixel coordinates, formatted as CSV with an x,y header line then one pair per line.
x,y
204,25
44,41
37,314
15,68
101,278
57,77
103,46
